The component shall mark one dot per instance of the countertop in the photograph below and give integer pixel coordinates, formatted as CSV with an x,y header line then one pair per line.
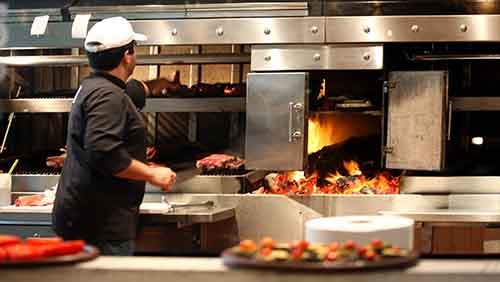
x,y
151,269
183,215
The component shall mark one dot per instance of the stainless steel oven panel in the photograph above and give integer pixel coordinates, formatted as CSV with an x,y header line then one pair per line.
x,y
416,126
317,57
276,123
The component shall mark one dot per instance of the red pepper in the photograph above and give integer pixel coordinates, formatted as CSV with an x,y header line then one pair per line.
x,y
7,240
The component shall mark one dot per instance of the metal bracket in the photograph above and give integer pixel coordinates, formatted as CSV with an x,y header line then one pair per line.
x,y
388,150
391,84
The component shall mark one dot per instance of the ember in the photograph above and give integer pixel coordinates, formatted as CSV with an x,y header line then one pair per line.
x,y
335,183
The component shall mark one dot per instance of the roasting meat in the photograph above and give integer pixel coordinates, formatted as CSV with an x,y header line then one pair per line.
x,y
43,199
220,162
172,87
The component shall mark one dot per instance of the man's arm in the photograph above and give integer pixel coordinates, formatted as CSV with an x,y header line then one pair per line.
x,y
158,176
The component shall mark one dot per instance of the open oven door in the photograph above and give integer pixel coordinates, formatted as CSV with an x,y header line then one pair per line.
x,y
276,121
416,120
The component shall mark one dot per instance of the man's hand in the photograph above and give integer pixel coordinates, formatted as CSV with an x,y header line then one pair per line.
x,y
56,161
162,177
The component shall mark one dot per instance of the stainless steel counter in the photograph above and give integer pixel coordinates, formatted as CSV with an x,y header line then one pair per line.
x,y
449,215
192,215
128,269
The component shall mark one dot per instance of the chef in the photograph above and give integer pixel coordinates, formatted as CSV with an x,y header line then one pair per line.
x,y
103,177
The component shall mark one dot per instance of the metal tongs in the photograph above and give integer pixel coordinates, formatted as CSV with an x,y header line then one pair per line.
x,y
172,206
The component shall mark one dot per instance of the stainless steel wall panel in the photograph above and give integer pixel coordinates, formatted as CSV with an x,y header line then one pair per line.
x,y
316,57
233,31
185,32
457,28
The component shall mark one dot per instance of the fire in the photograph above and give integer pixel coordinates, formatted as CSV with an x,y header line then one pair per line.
x,y
335,183
320,134
328,129
324,130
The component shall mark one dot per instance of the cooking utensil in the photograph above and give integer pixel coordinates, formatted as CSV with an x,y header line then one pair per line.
x,y
172,206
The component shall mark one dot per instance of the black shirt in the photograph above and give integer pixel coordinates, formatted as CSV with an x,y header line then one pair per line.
x,y
105,132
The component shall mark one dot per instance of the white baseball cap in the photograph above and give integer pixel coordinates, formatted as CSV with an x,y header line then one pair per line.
x,y
111,33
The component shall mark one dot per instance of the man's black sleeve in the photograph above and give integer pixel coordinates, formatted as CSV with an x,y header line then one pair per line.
x,y
104,133
136,92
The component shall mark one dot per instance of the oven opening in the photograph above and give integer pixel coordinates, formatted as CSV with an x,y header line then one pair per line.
x,y
344,138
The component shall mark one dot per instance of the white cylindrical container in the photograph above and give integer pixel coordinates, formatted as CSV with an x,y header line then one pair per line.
x,y
393,230
5,189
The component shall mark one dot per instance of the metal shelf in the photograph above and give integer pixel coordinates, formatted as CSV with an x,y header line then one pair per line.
x,y
62,105
353,112
69,60
471,104
172,105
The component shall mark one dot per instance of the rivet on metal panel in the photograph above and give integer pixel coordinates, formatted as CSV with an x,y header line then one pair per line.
x,y
314,29
267,58
174,32
463,28
415,28
366,56
317,57
267,31
366,29
298,106
219,31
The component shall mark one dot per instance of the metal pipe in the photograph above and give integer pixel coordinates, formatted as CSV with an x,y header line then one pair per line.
x,y
58,60
458,57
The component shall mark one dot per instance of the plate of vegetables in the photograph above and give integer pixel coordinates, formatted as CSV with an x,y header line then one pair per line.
x,y
305,256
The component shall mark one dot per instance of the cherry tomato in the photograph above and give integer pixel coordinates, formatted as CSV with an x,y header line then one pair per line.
x,y
331,256
301,244
377,244
362,250
248,246
297,253
349,245
7,240
370,255
267,242
265,251
334,246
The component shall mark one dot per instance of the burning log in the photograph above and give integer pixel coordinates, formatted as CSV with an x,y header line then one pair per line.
x,y
335,169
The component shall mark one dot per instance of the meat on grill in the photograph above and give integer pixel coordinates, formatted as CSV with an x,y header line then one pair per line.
x,y
220,161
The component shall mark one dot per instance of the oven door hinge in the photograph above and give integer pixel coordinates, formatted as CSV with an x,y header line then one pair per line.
x,y
391,84
388,150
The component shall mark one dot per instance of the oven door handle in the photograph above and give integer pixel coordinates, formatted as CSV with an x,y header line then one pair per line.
x,y
290,122
293,133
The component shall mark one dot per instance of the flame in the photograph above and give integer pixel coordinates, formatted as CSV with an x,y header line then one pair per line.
x,y
296,183
352,168
328,129
322,132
